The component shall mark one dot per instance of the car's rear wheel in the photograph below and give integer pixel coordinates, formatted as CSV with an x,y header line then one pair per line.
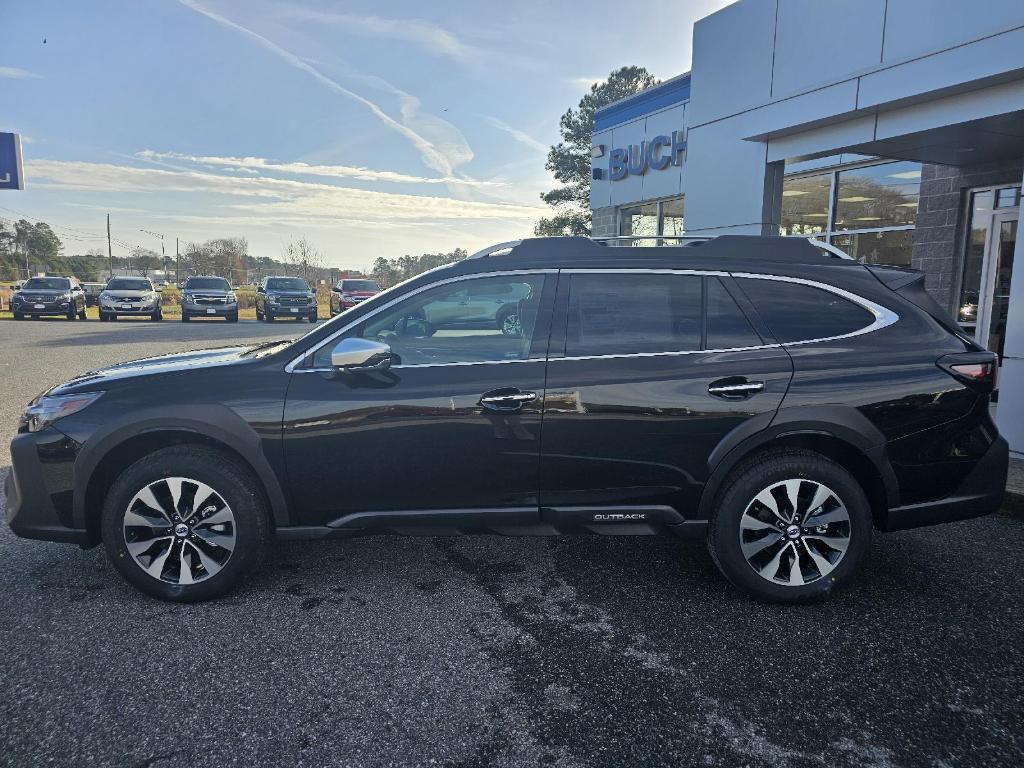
x,y
790,526
185,523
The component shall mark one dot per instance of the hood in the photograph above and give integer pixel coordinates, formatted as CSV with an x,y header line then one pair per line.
x,y
27,293
206,291
128,294
291,294
149,366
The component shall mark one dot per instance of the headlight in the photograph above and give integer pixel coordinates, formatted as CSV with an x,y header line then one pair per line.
x,y
231,297
272,299
47,410
186,296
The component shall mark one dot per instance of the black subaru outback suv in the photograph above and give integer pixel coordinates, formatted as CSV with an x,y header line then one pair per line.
x,y
779,402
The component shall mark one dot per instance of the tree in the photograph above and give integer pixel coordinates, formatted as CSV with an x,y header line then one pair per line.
x,y
390,271
144,261
304,259
569,160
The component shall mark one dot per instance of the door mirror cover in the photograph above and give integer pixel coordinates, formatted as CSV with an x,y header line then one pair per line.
x,y
355,354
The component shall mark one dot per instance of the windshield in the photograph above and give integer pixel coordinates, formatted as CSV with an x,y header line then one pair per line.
x,y
286,284
123,284
207,284
47,284
359,285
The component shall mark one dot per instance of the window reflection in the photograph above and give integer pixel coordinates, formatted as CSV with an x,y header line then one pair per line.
x,y
974,258
805,204
878,196
879,247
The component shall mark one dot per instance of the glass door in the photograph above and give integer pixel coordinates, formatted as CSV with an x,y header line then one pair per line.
x,y
995,298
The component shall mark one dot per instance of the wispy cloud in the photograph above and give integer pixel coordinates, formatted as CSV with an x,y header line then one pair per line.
x,y
255,165
584,82
272,200
438,158
426,35
519,135
16,73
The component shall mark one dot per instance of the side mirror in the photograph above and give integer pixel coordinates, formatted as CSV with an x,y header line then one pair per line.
x,y
259,289
355,354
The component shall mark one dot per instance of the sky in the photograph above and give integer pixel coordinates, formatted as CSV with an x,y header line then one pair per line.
x,y
374,129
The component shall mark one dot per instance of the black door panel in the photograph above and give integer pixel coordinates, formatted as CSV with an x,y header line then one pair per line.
x,y
639,430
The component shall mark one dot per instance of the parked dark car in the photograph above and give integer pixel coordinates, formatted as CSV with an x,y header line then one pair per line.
x,y
351,291
285,297
132,297
92,293
208,297
49,296
774,401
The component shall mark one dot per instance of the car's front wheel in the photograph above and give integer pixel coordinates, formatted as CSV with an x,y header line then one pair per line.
x,y
790,526
185,523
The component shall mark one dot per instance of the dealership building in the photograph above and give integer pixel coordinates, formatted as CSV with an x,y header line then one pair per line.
x,y
893,129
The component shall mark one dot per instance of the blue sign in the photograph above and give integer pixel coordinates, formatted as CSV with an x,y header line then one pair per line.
x,y
657,154
11,174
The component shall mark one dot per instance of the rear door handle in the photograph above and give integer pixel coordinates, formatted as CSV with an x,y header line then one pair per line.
x,y
734,388
510,399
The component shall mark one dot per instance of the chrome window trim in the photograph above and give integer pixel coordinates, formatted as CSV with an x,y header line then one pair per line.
x,y
883,317
290,367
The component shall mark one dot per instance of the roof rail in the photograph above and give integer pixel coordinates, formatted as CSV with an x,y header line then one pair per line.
x,y
629,238
493,249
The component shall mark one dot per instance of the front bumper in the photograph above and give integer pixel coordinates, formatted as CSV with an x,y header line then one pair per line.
x,y
284,310
980,493
116,309
48,309
209,310
40,487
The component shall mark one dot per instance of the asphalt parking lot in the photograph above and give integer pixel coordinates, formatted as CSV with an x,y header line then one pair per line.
x,y
482,651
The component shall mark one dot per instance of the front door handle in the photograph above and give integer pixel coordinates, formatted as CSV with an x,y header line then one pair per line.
x,y
734,388
509,399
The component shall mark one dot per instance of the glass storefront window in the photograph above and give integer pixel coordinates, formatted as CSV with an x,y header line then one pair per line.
x,y
805,204
974,258
878,196
892,247
664,218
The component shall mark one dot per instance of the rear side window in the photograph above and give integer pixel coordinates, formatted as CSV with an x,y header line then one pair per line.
x,y
728,327
625,314
796,312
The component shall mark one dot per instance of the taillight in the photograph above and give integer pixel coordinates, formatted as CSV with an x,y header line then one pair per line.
x,y
977,369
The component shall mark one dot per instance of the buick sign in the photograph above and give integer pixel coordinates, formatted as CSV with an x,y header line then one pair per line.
x,y
654,154
11,175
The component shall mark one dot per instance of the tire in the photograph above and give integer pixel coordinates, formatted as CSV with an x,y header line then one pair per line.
x,y
72,314
233,318
231,546
103,316
269,316
18,316
82,315
738,529
185,317
312,318
157,315
259,315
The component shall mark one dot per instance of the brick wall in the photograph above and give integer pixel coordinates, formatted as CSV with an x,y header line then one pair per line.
x,y
939,235
605,222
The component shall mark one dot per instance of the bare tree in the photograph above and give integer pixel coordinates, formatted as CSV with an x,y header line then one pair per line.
x,y
304,259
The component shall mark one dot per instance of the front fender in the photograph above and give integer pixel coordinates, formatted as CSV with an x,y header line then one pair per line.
x,y
214,422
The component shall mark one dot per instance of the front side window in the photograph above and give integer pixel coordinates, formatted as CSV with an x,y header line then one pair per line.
x,y
616,313
487,319
797,312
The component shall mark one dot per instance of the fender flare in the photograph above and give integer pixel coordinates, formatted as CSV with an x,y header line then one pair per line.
x,y
214,422
839,422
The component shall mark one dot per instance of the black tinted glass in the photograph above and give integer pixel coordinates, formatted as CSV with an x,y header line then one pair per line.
x,y
797,312
121,284
623,314
206,283
728,327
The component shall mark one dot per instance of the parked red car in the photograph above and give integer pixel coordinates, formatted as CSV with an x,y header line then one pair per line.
x,y
349,292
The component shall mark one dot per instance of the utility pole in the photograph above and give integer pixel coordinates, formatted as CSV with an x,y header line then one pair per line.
x,y
177,264
163,254
110,249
